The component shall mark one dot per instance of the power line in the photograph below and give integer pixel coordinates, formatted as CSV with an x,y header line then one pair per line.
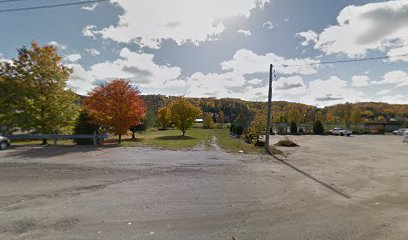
x,y
347,61
6,1
49,6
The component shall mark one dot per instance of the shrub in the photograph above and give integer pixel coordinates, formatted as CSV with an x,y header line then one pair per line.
x,y
293,128
239,130
380,130
301,131
318,128
84,126
286,143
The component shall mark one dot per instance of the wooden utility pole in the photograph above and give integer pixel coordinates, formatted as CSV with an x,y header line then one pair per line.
x,y
268,119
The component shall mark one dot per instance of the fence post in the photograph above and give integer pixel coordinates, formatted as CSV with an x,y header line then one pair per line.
x,y
55,137
94,138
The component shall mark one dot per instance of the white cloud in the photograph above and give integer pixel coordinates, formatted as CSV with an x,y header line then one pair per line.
x,y
398,52
149,22
360,81
248,62
139,68
383,92
397,78
332,91
92,51
268,25
89,31
57,45
73,57
396,99
308,37
90,8
245,32
374,26
80,80
293,85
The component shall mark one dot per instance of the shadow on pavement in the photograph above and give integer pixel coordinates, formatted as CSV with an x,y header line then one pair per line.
x,y
331,188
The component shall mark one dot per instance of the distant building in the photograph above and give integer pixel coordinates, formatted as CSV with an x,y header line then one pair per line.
x,y
387,125
199,120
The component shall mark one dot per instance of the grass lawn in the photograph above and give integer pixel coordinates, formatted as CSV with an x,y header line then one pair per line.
x,y
171,139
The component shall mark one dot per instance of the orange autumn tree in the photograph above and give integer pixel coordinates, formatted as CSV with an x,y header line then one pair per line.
x,y
116,106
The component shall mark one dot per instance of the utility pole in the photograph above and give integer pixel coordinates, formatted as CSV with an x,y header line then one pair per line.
x,y
268,119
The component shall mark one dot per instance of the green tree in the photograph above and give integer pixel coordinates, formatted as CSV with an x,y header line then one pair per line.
x,y
183,114
146,123
294,116
208,122
163,117
318,127
34,95
356,116
256,128
84,126
293,128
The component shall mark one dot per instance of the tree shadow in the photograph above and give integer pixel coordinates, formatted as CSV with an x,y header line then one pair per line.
x,y
49,151
166,138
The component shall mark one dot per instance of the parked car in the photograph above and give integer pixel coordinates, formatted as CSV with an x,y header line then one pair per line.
x,y
400,131
340,131
405,137
4,143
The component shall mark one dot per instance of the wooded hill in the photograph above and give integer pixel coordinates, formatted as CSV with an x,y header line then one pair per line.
x,y
237,110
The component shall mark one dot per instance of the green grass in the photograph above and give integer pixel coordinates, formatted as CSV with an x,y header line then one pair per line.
x,y
172,139
169,139
234,145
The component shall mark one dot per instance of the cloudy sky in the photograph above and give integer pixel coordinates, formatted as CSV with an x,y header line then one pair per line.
x,y
223,48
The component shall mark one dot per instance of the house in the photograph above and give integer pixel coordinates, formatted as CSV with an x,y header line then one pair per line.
x,y
386,125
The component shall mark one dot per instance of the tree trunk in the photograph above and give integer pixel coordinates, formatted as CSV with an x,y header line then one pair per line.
x,y
44,142
184,132
120,138
133,135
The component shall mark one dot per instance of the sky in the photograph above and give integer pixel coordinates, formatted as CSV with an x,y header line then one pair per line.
x,y
212,48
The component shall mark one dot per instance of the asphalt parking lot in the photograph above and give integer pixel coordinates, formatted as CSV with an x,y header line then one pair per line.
x,y
328,188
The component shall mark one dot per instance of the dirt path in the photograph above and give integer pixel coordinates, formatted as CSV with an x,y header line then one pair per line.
x,y
138,193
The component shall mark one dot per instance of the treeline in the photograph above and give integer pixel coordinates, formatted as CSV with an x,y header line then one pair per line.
x,y
240,111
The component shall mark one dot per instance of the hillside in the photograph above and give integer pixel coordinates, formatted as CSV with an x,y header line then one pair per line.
x,y
237,110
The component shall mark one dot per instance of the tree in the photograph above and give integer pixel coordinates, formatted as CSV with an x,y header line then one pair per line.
x,y
318,127
183,114
293,128
294,115
356,116
84,126
208,122
34,95
163,117
116,106
220,120
146,123
256,128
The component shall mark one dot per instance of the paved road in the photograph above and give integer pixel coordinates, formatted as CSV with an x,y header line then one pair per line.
x,y
136,193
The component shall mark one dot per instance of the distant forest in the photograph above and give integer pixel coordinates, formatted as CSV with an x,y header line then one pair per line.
x,y
240,111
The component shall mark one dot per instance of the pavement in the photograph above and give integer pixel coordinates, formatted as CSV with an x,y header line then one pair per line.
x,y
328,188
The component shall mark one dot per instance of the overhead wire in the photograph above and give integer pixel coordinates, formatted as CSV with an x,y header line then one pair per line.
x,y
48,6
346,61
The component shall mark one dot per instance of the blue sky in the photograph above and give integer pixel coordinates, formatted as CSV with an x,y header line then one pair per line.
x,y
223,48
